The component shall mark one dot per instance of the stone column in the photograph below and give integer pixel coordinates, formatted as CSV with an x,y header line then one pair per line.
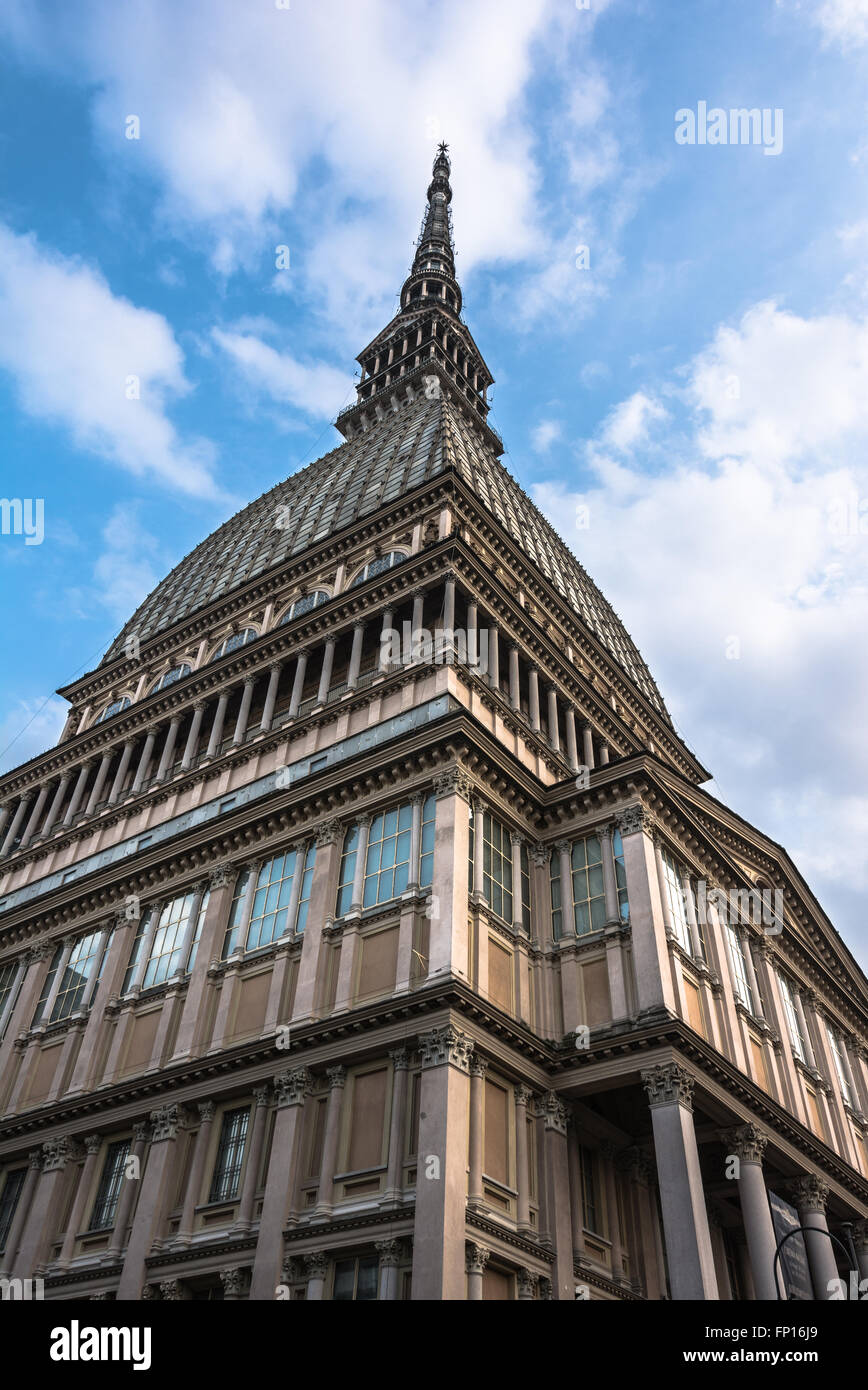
x,y
748,1144
216,737
651,963
514,694
298,683
389,1252
9,1260
447,947
394,1172
607,1151
192,744
386,627
43,1217
141,776
416,801
290,1089
99,783
192,1192
563,850
554,735
557,1181
77,792
244,1219
522,1161
190,1041
494,656
572,745
20,812
54,809
604,754
449,604
168,752
810,1196
155,1196
533,698
316,1268
84,1183
35,816
528,1282
476,1257
478,1068
364,825
472,634
129,1189
123,769
337,1077
860,1244
588,745
240,731
685,1221
356,655
329,841
267,719
516,840
441,1183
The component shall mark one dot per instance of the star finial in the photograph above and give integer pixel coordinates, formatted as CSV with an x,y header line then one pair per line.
x,y
442,148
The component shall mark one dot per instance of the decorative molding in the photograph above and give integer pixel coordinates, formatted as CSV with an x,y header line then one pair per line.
x,y
669,1084
444,1045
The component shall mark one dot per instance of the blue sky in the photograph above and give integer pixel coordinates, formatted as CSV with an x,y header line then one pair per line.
x,y
700,387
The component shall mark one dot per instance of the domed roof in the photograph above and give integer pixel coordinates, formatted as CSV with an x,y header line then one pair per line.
x,y
416,442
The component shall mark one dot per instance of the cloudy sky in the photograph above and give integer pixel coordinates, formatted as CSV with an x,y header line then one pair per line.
x,y
693,385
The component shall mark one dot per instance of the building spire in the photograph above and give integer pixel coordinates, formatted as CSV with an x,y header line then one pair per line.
x,y
434,263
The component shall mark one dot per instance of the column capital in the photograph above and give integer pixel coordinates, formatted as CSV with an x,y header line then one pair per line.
x,y
476,1258
92,1143
261,1095
400,1058
292,1086
316,1264
164,1123
669,1084
445,1045
389,1252
554,1113
56,1153
523,1094
516,837
141,1130
527,1282
337,1077
860,1235
540,854
235,1282
632,819
748,1142
453,781
329,833
220,875
809,1193
40,951
206,1111
478,1065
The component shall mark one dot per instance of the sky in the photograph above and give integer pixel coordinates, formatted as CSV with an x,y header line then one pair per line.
x,y
207,210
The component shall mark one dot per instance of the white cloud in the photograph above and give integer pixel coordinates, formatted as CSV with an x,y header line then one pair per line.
x,y
72,348
842,21
29,729
629,423
743,521
315,388
130,565
543,436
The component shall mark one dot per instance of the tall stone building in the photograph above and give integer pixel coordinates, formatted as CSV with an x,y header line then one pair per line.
x,y
368,933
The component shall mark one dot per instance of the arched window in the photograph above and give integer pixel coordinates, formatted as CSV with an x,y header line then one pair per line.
x,y
114,708
378,566
177,673
305,604
238,639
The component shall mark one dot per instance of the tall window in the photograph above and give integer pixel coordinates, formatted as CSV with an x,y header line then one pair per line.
x,y
740,974
379,565
837,1048
169,677
233,643
9,1201
85,965
164,958
303,605
230,1156
7,983
793,1024
272,900
588,887
674,889
497,877
356,1280
116,707
591,1216
387,861
109,1190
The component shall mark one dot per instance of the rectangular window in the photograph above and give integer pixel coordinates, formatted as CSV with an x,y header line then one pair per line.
x,y
164,959
356,1280
588,887
740,978
591,1218
109,1190
674,889
84,967
8,974
497,1119
230,1156
9,1201
695,1015
814,1114
793,1025
497,879
837,1048
387,861
272,891
367,1120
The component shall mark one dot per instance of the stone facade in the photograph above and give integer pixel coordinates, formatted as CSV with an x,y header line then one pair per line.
x,y
331,973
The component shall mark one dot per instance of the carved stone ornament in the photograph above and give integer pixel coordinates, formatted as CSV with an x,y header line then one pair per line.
x,y
523,1095
291,1086
540,854
164,1124
809,1194
477,1258
554,1113
220,876
478,1066
633,819
669,1084
389,1252
527,1283
443,1045
316,1265
235,1282
748,1142
170,1289
56,1153
453,781
92,1143
337,1077
330,833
